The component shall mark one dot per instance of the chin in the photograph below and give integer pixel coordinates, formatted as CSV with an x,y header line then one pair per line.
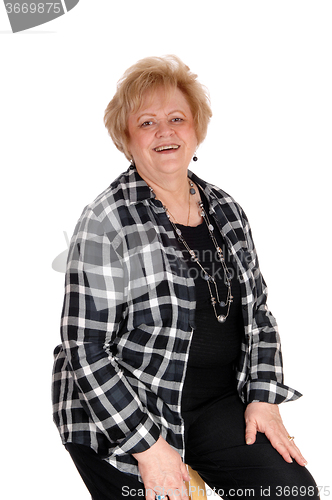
x,y
174,163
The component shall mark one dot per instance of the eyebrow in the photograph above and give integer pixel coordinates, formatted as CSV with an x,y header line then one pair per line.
x,y
153,114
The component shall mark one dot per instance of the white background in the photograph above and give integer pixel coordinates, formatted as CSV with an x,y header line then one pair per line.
x,y
267,65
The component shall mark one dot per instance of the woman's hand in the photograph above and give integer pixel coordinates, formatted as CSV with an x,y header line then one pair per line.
x,y
265,417
163,472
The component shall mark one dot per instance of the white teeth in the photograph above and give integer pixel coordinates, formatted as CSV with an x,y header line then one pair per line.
x,y
171,146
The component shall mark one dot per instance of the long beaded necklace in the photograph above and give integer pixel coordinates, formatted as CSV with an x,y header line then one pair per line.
x,y
211,282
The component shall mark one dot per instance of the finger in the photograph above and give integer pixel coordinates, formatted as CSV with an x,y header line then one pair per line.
x,y
286,447
282,449
251,431
179,493
172,490
185,473
150,494
185,492
291,451
295,452
278,437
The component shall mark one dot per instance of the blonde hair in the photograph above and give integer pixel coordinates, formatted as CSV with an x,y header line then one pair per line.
x,y
147,75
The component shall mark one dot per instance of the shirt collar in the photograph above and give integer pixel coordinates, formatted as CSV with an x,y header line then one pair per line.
x,y
203,185
138,190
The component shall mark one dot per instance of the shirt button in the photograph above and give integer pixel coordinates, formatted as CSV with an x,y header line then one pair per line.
x,y
157,203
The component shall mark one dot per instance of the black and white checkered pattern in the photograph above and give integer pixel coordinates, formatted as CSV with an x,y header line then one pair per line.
x,y
128,319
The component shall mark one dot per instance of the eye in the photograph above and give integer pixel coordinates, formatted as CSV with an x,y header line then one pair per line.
x,y
147,123
177,119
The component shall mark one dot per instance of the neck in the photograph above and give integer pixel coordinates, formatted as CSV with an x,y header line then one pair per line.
x,y
173,192
170,189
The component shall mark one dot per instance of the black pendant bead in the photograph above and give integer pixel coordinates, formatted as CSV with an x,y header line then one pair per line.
x,y
195,158
192,191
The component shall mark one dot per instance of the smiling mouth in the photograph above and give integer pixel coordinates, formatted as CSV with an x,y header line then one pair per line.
x,y
166,148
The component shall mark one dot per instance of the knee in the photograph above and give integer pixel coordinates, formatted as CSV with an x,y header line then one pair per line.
x,y
295,482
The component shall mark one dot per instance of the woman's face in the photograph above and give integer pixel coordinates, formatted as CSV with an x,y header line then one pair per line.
x,y
162,137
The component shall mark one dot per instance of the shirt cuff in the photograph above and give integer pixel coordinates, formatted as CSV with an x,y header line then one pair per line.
x,y
269,391
142,438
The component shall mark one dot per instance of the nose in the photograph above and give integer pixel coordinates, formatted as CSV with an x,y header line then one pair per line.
x,y
165,129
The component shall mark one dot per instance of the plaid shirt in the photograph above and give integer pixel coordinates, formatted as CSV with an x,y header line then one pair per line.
x,y
129,316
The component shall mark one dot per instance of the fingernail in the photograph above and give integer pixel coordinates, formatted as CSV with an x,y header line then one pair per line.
x,y
249,441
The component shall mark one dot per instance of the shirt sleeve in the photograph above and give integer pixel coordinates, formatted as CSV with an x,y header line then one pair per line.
x,y
266,379
93,308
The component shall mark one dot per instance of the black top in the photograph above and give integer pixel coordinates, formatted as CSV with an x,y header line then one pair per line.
x,y
215,346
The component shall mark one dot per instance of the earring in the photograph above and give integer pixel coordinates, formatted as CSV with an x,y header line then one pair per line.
x,y
195,157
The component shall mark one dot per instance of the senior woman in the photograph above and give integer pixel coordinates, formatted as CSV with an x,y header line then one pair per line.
x,y
169,354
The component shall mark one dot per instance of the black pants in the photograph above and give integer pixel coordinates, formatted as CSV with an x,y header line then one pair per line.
x,y
216,449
